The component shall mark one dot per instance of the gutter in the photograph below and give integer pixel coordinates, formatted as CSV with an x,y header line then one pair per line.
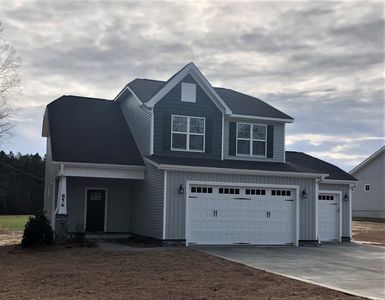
x,y
169,167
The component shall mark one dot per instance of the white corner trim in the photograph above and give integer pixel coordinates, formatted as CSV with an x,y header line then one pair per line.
x,y
164,204
101,171
231,171
152,133
316,209
223,136
262,118
198,76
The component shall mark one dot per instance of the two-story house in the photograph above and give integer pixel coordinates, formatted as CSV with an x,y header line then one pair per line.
x,y
182,160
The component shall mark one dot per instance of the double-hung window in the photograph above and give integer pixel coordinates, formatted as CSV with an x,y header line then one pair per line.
x,y
187,133
251,139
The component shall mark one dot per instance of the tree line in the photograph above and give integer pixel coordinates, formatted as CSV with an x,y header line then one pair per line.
x,y
21,183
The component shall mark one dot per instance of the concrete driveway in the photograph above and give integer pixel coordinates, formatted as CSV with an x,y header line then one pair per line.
x,y
349,267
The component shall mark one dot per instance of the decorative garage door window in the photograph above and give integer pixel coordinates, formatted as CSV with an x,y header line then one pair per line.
x,y
231,191
201,189
280,192
326,197
255,192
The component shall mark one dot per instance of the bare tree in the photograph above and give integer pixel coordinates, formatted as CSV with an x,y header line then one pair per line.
x,y
9,82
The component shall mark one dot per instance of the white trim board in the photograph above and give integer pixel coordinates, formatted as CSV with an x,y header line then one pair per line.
x,y
231,171
164,204
261,118
101,171
237,184
199,78
105,206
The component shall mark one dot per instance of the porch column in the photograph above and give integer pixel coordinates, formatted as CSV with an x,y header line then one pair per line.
x,y
61,220
62,196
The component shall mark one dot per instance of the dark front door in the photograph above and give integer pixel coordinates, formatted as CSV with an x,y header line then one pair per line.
x,y
96,201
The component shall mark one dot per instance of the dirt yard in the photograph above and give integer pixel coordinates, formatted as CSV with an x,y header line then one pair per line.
x,y
93,273
371,232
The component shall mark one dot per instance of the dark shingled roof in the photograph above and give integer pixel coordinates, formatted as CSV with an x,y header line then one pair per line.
x,y
303,159
90,130
296,162
239,103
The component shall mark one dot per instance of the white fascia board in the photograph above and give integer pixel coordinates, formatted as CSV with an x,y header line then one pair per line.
x,y
336,181
368,160
131,91
100,170
45,127
232,171
262,118
198,76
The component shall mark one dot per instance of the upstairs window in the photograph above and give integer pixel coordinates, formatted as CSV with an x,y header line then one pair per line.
x,y
188,92
251,139
187,133
367,187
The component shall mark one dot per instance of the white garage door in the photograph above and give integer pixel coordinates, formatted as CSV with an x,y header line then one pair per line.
x,y
226,215
328,217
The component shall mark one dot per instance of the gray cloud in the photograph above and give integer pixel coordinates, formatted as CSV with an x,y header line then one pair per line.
x,y
320,62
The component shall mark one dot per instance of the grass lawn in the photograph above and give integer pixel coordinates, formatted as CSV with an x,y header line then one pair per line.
x,y
62,272
12,222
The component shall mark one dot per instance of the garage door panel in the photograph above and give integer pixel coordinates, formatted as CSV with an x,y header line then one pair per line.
x,y
241,218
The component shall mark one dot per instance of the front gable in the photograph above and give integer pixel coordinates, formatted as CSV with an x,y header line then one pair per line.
x,y
190,71
201,107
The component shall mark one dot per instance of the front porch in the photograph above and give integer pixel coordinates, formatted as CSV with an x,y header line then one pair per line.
x,y
94,199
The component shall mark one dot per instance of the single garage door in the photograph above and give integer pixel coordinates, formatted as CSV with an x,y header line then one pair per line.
x,y
328,217
226,215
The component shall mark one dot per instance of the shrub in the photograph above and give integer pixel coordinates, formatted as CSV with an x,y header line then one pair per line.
x,y
37,231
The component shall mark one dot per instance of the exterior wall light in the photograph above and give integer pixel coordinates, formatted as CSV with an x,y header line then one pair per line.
x,y
304,194
346,197
181,189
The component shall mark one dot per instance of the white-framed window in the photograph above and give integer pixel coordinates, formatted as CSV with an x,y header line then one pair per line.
x,y
367,188
251,139
188,133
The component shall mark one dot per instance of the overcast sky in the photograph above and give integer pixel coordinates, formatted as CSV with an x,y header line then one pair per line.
x,y
320,62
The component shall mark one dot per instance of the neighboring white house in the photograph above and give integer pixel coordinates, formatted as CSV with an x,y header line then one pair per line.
x,y
369,194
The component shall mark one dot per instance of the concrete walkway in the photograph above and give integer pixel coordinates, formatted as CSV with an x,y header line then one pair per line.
x,y
348,267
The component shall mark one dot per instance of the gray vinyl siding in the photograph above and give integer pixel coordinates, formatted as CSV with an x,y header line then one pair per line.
x,y
119,198
50,190
278,141
176,203
139,121
370,204
171,104
344,188
147,204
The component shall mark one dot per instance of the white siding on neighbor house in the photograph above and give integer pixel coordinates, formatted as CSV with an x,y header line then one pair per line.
x,y
118,202
50,190
344,188
139,121
278,142
176,203
370,204
147,204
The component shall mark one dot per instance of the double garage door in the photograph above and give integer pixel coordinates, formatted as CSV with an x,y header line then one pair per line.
x,y
230,215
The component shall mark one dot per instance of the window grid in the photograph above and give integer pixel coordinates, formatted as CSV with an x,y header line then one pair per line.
x,y
231,191
201,189
326,197
251,138
188,132
255,192
280,192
